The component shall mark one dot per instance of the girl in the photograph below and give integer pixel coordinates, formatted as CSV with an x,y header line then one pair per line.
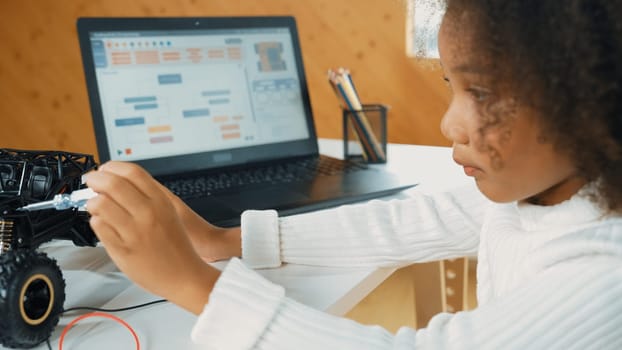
x,y
535,120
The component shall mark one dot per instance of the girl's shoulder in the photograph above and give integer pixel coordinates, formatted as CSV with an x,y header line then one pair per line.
x,y
600,241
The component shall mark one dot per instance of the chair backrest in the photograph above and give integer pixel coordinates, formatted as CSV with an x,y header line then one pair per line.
x,y
6,174
40,181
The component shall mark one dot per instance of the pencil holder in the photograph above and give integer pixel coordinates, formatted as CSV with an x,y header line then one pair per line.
x,y
365,134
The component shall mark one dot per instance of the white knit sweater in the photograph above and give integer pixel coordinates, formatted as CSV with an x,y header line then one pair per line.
x,y
548,277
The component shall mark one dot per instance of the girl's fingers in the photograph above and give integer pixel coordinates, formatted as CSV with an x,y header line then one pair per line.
x,y
105,211
136,175
118,189
106,233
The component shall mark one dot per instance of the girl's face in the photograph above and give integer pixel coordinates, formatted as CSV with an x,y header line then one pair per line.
x,y
496,140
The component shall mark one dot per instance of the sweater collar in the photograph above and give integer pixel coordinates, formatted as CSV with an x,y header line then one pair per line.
x,y
576,211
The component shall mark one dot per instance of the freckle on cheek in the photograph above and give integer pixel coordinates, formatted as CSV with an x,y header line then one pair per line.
x,y
496,162
485,145
505,136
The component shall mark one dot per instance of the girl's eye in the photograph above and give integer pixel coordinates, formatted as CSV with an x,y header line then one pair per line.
x,y
479,95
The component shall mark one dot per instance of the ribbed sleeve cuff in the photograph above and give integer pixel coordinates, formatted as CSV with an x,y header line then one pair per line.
x,y
240,295
260,239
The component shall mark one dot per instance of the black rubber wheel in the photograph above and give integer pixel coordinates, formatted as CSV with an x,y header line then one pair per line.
x,y
32,293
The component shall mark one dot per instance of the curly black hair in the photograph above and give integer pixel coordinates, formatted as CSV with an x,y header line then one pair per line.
x,y
563,58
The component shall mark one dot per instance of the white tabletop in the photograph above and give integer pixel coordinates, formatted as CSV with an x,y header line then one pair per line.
x,y
93,280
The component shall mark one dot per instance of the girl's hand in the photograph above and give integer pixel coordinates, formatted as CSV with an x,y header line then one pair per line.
x,y
211,242
144,235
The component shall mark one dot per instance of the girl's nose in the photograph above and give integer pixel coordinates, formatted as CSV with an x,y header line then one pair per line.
x,y
453,128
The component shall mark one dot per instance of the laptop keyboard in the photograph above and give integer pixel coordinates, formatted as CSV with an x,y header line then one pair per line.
x,y
274,174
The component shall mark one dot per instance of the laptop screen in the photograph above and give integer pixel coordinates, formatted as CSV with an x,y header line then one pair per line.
x,y
160,90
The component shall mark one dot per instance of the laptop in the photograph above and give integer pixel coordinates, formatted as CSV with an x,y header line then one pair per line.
x,y
218,110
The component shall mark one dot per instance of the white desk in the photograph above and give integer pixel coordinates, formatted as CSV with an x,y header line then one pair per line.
x,y
92,279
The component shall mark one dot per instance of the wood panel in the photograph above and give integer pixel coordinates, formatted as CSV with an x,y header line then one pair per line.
x,y
391,305
411,296
43,100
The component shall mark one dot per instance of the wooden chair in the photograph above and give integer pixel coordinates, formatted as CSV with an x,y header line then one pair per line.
x,y
440,287
415,293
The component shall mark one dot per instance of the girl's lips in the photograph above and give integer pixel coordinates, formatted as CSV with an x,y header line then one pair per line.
x,y
469,170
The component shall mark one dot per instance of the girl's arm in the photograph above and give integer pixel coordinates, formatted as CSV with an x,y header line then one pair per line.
x,y
575,304
377,233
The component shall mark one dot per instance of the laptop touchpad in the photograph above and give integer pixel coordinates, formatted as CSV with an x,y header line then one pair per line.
x,y
212,209
269,198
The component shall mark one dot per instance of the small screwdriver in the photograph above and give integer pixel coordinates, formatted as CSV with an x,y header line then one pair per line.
x,y
75,199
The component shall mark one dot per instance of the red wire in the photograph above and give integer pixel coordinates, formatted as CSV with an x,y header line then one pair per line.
x,y
96,314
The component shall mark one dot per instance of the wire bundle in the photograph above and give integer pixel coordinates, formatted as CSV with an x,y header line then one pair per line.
x,y
104,313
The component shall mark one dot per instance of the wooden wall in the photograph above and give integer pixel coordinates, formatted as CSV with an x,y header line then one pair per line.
x,y
43,100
